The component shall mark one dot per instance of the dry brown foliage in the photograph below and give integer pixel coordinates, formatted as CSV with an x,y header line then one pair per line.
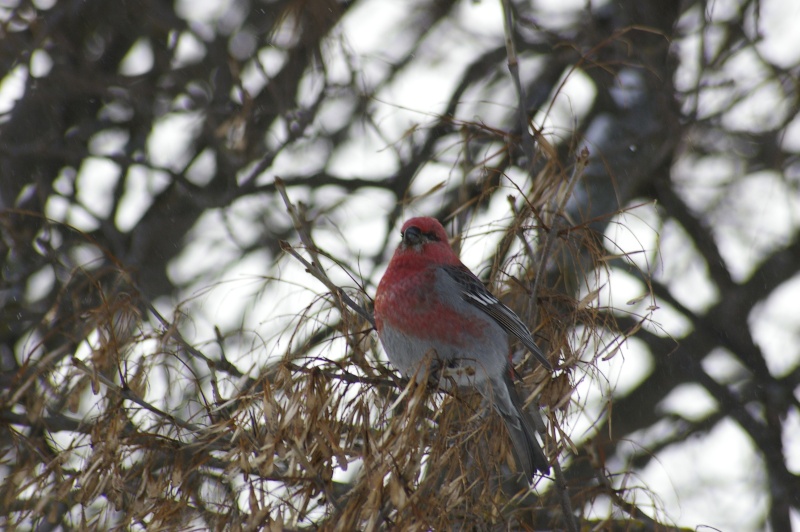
x,y
128,423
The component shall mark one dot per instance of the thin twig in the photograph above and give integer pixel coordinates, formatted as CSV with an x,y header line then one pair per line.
x,y
320,275
528,145
566,504
127,393
562,197
299,225
628,507
314,267
222,364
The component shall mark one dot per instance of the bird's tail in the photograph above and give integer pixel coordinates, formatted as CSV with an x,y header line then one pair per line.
x,y
521,428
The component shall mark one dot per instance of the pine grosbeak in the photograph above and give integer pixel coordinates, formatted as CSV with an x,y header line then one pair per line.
x,y
430,307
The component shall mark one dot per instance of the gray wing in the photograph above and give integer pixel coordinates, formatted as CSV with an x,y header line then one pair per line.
x,y
474,293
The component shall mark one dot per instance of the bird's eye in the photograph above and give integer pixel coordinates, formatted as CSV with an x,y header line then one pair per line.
x,y
432,236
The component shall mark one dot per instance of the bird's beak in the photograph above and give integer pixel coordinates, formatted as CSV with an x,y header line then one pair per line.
x,y
412,236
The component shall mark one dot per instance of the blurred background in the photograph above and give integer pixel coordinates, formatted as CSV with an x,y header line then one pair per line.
x,y
624,174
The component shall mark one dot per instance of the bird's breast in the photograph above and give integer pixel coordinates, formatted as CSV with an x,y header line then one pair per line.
x,y
412,305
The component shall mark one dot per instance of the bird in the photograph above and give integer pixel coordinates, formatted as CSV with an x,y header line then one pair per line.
x,y
430,307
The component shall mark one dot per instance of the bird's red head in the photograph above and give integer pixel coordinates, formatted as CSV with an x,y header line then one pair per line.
x,y
426,236
423,230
